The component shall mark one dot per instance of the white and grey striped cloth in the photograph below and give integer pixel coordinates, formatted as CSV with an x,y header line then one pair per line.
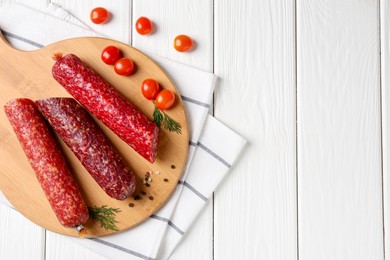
x,y
213,147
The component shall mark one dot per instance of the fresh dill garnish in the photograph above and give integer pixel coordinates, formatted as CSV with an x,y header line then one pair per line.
x,y
157,116
164,121
105,216
170,124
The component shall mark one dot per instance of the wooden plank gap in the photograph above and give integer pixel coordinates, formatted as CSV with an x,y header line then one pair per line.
x,y
296,127
381,127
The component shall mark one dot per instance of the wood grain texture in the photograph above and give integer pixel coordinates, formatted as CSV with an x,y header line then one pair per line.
x,y
197,242
20,238
338,126
60,247
339,130
17,179
255,208
385,87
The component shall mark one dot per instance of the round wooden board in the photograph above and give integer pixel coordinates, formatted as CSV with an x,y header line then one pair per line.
x,y
28,74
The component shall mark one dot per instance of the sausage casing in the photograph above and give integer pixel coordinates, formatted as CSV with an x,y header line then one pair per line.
x,y
87,141
47,161
108,105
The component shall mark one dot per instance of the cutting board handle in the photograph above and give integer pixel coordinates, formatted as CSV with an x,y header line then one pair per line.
x,y
3,41
6,48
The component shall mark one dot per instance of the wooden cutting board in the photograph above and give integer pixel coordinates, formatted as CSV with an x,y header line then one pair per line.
x,y
28,74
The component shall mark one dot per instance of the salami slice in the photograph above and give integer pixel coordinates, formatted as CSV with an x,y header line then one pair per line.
x,y
87,141
108,105
48,162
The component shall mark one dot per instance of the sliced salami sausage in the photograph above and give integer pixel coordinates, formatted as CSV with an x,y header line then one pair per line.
x,y
108,105
87,141
48,162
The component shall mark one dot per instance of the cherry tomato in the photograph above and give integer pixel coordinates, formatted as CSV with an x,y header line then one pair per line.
x,y
183,43
99,15
143,25
124,66
165,99
110,55
150,88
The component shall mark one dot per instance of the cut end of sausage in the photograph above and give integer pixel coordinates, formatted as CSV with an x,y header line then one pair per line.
x,y
154,145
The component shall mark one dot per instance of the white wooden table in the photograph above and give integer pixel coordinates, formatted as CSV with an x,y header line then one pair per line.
x,y
307,83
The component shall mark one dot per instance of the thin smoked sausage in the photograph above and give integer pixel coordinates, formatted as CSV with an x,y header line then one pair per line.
x,y
108,105
48,162
87,141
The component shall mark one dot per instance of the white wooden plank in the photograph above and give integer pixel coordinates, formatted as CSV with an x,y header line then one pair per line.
x,y
339,130
255,209
118,27
385,86
60,247
174,17
20,238
57,246
196,242
171,18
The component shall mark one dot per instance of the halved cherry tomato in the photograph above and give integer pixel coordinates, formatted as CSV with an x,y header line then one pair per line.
x,y
150,88
124,66
99,15
183,43
143,25
165,99
110,54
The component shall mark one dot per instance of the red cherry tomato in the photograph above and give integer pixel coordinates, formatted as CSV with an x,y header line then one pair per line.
x,y
110,55
165,99
150,88
124,66
143,25
183,43
99,15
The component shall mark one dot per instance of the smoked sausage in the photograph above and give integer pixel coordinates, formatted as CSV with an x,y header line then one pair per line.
x,y
87,141
47,161
108,105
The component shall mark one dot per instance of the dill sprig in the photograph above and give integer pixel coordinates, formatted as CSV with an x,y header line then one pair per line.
x,y
157,116
171,125
105,216
163,120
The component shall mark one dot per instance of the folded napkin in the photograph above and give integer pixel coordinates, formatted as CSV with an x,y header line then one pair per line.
x,y
208,160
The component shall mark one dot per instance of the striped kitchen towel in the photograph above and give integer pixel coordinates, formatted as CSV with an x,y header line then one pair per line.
x,y
208,160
